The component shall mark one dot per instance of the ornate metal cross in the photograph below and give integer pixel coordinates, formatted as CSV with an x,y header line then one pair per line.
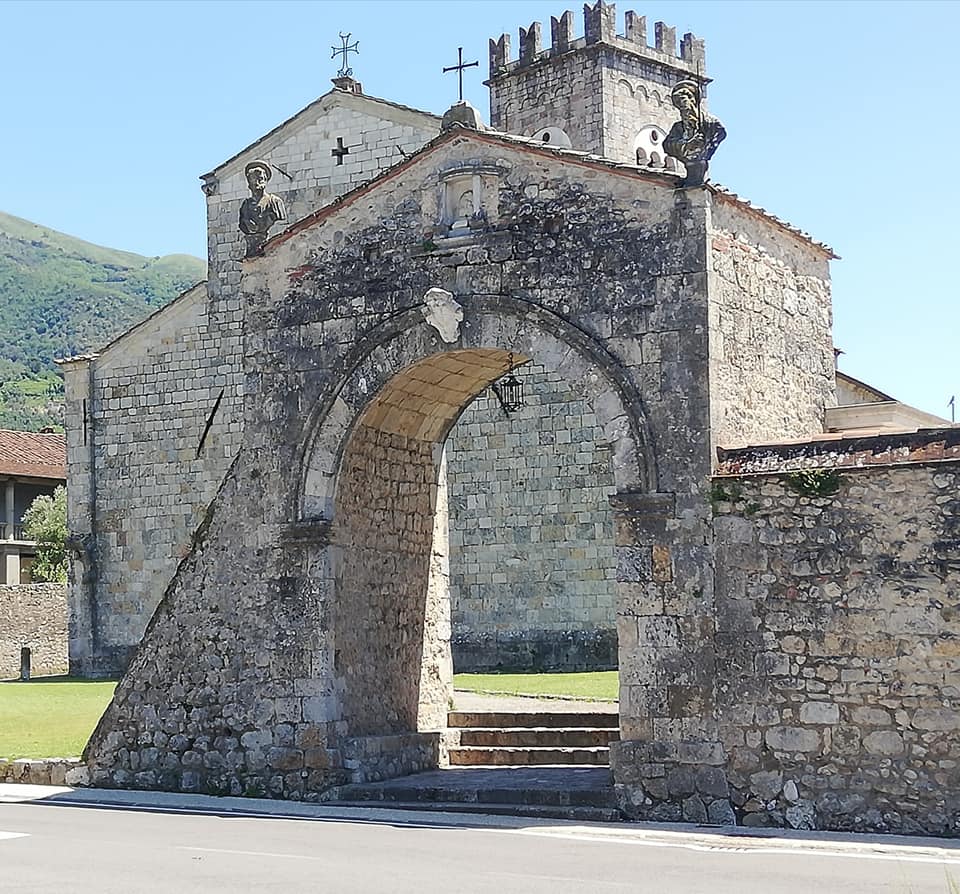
x,y
346,71
459,67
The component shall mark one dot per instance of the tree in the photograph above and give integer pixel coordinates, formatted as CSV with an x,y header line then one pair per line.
x,y
46,522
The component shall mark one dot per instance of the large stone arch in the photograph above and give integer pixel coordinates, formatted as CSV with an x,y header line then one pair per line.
x,y
287,699
506,325
371,470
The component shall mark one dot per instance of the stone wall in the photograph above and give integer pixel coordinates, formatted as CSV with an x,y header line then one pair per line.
x,y
34,617
148,445
838,655
531,532
772,363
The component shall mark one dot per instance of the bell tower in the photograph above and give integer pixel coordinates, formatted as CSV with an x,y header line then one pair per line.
x,y
604,93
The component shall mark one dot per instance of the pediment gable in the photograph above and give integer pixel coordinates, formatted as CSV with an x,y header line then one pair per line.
x,y
316,111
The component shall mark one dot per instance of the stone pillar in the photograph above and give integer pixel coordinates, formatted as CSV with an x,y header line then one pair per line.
x,y
81,514
12,567
436,666
10,509
670,763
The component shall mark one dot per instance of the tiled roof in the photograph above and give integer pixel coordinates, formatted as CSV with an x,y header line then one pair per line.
x,y
853,450
33,455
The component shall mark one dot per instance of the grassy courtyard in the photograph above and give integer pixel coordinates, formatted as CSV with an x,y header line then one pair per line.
x,y
593,686
54,716
50,716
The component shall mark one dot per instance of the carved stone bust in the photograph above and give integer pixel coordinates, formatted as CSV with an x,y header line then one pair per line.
x,y
261,210
694,138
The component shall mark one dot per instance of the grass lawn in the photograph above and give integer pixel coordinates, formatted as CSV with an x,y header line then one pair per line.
x,y
50,716
595,686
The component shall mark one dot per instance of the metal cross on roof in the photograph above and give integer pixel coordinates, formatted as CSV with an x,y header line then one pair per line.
x,y
346,71
459,67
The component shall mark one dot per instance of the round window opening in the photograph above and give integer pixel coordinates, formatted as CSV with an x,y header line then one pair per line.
x,y
654,136
546,138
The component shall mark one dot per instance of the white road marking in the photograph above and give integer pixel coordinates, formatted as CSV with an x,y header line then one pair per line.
x,y
17,792
719,845
218,850
4,835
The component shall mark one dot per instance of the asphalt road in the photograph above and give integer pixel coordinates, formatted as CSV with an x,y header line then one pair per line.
x,y
65,849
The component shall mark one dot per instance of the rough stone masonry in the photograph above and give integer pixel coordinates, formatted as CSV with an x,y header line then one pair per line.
x,y
785,619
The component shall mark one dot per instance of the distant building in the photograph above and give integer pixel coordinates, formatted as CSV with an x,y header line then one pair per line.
x,y
31,465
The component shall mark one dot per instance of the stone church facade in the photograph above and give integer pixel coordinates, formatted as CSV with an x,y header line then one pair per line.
x,y
258,475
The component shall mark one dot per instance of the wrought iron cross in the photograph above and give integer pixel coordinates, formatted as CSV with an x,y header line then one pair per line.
x,y
347,48
459,67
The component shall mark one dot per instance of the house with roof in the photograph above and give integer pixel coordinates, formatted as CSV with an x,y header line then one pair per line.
x,y
31,465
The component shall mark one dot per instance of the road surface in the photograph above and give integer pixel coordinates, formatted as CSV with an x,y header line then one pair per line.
x,y
186,845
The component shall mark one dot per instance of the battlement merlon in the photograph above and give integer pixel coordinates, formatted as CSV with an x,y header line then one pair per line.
x,y
600,27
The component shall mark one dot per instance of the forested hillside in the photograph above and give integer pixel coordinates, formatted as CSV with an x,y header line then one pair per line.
x,y
61,296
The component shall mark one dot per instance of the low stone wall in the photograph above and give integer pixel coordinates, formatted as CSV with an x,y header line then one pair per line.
x,y
374,758
837,658
33,616
45,771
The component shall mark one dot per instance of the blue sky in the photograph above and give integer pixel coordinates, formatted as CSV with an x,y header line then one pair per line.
x,y
840,120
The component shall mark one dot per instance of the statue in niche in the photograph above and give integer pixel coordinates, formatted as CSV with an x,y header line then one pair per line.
x,y
465,206
261,209
695,137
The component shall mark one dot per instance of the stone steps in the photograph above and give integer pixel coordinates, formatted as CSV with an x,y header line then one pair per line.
x,y
539,811
579,793
500,738
540,737
526,756
558,719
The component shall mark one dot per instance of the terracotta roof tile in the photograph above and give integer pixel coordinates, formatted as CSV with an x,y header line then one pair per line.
x,y
33,455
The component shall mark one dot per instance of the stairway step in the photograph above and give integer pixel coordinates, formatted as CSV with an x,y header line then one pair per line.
x,y
514,757
582,813
394,793
557,737
544,719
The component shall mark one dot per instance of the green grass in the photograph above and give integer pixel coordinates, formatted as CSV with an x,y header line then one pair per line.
x,y
594,686
50,716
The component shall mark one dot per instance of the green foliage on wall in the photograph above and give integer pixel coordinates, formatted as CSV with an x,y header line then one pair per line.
x,y
46,522
61,296
813,482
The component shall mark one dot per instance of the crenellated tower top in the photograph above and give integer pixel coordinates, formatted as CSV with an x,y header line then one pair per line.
x,y
603,92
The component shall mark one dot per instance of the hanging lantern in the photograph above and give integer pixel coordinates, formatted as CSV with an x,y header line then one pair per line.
x,y
509,391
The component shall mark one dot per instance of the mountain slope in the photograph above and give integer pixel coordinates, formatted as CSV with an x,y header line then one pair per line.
x,y
59,296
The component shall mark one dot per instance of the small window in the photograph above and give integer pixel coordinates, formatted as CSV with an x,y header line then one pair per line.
x,y
553,136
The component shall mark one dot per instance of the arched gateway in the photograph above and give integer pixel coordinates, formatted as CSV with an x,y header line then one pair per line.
x,y
304,640
786,629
